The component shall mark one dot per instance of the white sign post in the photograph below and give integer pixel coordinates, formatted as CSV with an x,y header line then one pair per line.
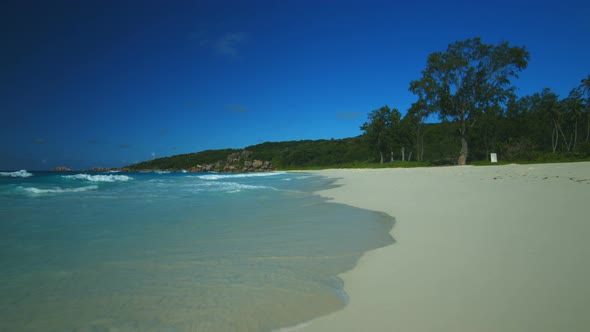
x,y
493,158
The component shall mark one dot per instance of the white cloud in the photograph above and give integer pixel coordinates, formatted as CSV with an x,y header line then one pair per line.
x,y
237,108
228,44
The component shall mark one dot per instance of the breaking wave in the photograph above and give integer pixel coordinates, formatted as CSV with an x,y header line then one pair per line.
x,y
18,174
57,190
98,178
228,187
240,175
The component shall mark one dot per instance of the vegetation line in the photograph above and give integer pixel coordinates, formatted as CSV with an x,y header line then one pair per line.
x,y
469,89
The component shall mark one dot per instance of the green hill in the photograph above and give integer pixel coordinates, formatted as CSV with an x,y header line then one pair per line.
x,y
441,148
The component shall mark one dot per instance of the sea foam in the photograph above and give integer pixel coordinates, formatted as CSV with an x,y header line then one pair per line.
x,y
18,174
98,178
233,176
228,187
57,190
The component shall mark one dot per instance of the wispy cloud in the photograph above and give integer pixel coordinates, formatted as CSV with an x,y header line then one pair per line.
x,y
229,44
153,154
348,115
96,141
236,108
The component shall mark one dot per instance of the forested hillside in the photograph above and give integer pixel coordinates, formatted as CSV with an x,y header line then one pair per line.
x,y
469,89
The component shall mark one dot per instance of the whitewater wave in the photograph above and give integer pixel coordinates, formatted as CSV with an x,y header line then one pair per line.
x,y
228,187
98,178
218,176
57,190
18,174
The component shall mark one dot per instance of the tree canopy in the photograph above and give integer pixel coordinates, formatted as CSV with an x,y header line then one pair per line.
x,y
462,83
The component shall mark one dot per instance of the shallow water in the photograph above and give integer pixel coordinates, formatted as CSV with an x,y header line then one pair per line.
x,y
174,251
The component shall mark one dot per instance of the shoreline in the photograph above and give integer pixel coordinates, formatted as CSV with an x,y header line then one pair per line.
x,y
495,248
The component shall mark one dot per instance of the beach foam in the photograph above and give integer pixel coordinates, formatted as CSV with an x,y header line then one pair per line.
x,y
57,190
98,178
229,187
217,176
17,174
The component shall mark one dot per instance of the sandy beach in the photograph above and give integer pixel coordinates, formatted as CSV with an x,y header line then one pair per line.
x,y
498,248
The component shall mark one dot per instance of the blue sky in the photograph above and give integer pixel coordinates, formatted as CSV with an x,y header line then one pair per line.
x,y
110,83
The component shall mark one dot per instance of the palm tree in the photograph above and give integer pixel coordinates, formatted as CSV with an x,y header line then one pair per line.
x,y
585,89
585,86
574,105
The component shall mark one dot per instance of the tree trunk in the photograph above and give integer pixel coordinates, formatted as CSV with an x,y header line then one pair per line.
x,y
575,136
421,149
391,155
403,153
554,138
464,147
381,155
410,156
567,145
464,152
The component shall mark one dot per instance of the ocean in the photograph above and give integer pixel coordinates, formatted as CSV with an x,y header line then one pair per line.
x,y
172,251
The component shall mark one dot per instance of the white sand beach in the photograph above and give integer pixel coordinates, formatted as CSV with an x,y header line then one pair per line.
x,y
498,248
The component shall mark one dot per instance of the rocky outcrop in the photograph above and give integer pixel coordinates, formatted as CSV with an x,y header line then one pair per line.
x,y
102,169
62,169
237,156
238,162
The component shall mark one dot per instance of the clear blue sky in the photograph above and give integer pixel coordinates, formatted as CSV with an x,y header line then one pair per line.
x,y
109,83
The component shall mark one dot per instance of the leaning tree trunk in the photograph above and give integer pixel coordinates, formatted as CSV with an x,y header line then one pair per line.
x,y
464,152
554,138
464,147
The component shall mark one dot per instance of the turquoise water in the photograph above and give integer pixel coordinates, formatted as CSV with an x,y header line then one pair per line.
x,y
174,251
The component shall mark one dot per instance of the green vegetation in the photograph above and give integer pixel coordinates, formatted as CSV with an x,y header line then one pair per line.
x,y
184,161
468,87
468,82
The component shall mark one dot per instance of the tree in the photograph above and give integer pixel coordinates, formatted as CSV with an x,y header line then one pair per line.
x,y
382,130
585,89
395,133
585,86
376,129
469,77
574,107
412,126
548,104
